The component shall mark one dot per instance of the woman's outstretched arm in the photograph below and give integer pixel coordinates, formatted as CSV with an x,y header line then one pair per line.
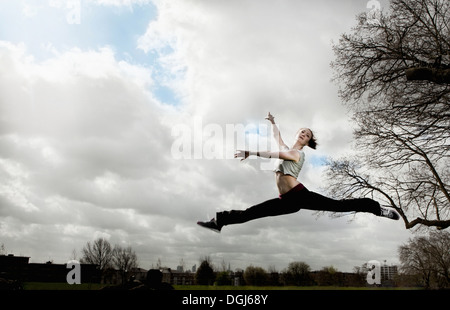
x,y
286,155
276,133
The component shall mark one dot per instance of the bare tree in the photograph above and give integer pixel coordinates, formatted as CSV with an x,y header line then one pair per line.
x,y
428,257
99,253
2,249
403,127
125,260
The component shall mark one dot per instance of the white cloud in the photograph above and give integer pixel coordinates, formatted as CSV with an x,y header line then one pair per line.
x,y
73,128
29,10
121,3
234,61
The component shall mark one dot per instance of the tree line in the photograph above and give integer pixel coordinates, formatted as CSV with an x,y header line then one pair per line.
x,y
296,274
424,261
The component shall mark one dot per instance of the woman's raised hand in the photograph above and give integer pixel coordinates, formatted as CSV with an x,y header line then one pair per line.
x,y
270,118
243,154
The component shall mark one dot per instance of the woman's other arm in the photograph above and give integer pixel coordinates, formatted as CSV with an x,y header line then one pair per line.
x,y
286,155
276,133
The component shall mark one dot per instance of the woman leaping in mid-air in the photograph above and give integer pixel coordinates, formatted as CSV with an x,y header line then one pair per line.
x,y
293,194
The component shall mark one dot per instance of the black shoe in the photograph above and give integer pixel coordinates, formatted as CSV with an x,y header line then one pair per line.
x,y
389,213
211,225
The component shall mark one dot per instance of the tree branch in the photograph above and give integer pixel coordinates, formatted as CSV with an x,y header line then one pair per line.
x,y
439,76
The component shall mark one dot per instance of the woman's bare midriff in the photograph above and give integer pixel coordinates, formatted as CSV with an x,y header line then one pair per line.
x,y
285,182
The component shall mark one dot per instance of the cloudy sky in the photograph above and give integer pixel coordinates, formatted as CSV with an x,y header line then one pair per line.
x,y
118,119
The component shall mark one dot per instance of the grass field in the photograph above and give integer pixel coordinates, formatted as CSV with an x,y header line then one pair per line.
x,y
96,286
60,286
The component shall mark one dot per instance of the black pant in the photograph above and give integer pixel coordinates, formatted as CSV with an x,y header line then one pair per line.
x,y
297,198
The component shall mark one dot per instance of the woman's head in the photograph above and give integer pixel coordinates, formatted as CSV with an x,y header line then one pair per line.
x,y
306,137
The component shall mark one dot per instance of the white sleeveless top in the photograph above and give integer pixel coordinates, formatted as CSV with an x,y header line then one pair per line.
x,y
291,167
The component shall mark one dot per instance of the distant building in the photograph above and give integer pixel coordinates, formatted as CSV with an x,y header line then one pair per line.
x,y
17,268
13,267
139,274
388,273
177,277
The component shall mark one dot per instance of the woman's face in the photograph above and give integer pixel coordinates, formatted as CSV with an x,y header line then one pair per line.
x,y
303,136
